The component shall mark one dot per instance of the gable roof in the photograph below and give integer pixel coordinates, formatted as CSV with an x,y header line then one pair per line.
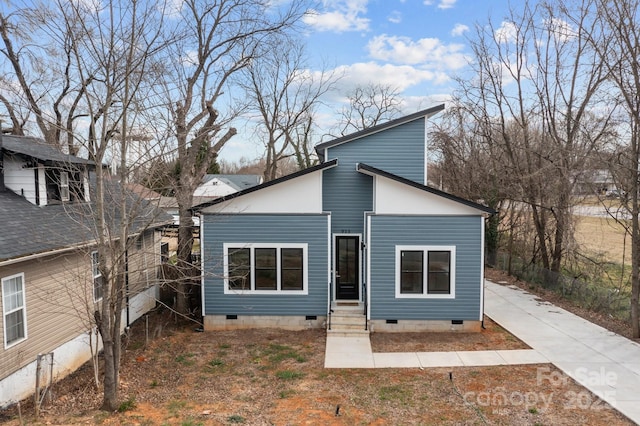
x,y
372,171
28,229
315,168
37,148
375,129
237,182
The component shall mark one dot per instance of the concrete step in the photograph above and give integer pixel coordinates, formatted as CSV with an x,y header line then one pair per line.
x,y
350,319
348,333
343,326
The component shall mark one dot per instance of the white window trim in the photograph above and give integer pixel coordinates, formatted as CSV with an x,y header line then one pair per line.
x,y
93,280
425,274
5,312
64,186
277,246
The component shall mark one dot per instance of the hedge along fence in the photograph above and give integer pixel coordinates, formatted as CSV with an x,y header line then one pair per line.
x,y
597,297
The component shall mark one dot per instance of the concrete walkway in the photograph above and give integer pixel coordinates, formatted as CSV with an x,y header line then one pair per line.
x,y
603,362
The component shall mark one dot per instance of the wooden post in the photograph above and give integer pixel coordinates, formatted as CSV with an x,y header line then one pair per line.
x,y
49,388
37,395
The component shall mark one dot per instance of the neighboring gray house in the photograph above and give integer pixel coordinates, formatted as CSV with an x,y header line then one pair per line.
x,y
216,186
50,280
357,235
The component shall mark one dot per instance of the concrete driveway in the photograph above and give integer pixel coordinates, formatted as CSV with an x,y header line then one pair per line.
x,y
604,362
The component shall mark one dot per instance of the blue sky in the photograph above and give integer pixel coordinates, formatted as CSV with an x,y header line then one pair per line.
x,y
416,46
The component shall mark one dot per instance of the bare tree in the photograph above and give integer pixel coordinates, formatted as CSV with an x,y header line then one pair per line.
x,y
283,94
112,52
541,109
471,166
40,80
618,48
214,40
369,105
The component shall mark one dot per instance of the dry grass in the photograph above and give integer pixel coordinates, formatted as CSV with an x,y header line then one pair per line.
x,y
603,237
265,377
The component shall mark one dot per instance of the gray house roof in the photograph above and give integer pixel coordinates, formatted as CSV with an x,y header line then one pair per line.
x,y
28,229
237,182
36,148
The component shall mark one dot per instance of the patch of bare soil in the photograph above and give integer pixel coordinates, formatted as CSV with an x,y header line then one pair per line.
x,y
492,337
605,321
276,377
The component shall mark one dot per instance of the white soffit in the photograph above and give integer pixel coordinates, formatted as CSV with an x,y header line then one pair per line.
x,y
301,195
392,197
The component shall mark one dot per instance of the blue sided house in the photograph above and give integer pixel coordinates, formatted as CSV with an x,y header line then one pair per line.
x,y
357,241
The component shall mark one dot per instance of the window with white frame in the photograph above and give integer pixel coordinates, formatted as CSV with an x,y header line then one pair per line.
x,y
14,310
97,276
425,271
263,268
64,186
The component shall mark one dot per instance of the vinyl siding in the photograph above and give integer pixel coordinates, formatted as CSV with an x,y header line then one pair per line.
x,y
463,232
143,262
277,229
59,299
21,179
55,305
348,193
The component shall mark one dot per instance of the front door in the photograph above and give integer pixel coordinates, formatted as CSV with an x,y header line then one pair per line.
x,y
347,264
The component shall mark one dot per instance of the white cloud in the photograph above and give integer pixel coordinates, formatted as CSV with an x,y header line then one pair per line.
x,y
395,17
339,16
443,4
428,52
507,32
560,29
446,4
459,29
397,76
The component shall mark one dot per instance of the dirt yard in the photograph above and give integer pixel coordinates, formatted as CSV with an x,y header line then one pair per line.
x,y
265,377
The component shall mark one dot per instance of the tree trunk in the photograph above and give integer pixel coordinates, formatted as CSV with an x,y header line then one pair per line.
x,y
110,394
185,246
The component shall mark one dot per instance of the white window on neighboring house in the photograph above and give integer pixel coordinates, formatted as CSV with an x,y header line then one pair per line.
x,y
425,272
97,276
64,186
14,310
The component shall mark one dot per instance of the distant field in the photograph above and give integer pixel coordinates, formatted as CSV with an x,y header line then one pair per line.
x,y
603,236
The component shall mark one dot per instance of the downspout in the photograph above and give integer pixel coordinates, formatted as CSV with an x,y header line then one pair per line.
x,y
483,222
1,163
36,172
329,270
126,282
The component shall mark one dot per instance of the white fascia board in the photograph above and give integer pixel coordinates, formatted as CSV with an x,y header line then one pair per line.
x,y
301,195
392,197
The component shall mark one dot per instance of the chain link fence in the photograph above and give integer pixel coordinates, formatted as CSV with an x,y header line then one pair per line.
x,y
597,297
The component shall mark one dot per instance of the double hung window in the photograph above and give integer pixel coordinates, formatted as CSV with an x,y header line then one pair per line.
x,y
14,310
97,276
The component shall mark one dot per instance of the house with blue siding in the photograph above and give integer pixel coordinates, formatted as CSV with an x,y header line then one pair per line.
x,y
357,242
